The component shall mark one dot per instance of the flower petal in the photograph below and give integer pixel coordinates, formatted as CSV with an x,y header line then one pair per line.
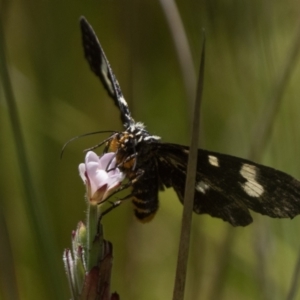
x,y
99,182
91,157
82,170
106,161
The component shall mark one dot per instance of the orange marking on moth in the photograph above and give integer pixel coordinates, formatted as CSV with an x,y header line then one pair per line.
x,y
147,218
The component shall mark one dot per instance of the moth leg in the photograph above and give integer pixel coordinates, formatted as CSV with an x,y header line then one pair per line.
x,y
114,204
128,184
121,164
128,158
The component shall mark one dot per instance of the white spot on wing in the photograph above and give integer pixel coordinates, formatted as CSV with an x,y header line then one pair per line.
x,y
151,137
155,137
251,186
104,72
123,101
213,160
202,187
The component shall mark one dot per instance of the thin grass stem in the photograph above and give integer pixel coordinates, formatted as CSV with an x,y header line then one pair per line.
x,y
39,224
182,49
183,253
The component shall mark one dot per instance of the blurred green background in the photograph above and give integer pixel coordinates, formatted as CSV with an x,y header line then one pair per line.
x,y
251,59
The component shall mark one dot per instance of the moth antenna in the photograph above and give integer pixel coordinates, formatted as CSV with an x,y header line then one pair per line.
x,y
83,135
100,144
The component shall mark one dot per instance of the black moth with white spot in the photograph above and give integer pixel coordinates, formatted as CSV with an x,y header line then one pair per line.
x,y
226,186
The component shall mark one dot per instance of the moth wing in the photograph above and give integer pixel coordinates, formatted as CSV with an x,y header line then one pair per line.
x,y
100,66
227,187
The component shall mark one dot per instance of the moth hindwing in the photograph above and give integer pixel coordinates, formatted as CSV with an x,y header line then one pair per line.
x,y
226,186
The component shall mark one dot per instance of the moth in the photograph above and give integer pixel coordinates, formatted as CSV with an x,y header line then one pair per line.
x,y
226,187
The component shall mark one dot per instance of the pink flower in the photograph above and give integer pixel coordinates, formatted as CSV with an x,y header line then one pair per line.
x,y
99,182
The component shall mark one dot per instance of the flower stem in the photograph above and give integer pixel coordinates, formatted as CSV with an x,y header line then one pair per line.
x,y
94,237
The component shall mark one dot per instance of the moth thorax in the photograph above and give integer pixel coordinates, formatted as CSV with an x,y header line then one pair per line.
x,y
127,142
122,141
113,144
123,144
